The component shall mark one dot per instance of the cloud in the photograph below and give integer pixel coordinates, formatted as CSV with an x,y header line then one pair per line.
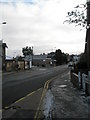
x,y
41,24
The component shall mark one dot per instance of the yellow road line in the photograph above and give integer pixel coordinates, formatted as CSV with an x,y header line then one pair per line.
x,y
38,112
31,93
39,106
45,84
24,97
44,93
1,110
27,95
39,89
6,107
20,99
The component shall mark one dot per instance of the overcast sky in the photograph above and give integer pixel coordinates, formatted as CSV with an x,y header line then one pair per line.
x,y
39,23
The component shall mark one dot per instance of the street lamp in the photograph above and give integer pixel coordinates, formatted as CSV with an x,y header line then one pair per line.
x,y
4,22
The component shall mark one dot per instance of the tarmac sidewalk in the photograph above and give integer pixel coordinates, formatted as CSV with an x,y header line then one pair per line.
x,y
63,101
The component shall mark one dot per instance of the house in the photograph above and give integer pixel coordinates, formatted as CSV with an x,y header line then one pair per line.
x,y
12,64
52,57
37,60
9,65
41,60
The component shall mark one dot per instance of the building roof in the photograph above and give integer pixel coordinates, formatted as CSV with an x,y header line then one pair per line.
x,y
36,57
39,56
9,58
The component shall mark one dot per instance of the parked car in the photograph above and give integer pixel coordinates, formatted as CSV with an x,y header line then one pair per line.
x,y
70,65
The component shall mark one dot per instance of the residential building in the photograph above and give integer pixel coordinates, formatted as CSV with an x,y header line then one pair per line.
x,y
38,60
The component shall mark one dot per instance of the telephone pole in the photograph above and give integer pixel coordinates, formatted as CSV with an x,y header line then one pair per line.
x,y
88,35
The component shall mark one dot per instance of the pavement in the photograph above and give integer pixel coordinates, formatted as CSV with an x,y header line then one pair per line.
x,y
57,100
63,101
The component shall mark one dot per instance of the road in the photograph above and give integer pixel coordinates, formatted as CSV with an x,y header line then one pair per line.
x,y
19,84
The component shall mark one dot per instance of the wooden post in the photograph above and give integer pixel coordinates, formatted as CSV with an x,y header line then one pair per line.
x,y
79,79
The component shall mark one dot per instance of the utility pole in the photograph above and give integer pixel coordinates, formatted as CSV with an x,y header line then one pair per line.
x,y
88,35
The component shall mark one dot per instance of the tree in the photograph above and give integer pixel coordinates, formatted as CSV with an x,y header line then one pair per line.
x,y
88,35
64,57
60,57
51,55
27,51
82,62
78,16
81,16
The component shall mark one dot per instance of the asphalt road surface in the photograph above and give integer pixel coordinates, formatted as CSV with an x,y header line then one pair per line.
x,y
18,84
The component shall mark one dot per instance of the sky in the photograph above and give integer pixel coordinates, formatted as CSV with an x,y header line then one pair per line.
x,y
39,23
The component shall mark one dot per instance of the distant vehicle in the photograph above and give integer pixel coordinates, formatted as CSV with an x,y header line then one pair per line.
x,y
43,65
70,65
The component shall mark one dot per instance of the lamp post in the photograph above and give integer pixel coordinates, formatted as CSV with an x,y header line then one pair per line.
x,y
3,51
1,42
